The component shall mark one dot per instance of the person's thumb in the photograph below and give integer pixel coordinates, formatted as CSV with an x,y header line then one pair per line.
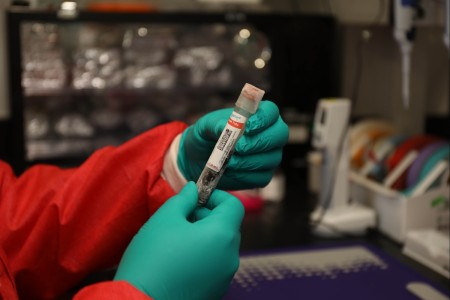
x,y
185,201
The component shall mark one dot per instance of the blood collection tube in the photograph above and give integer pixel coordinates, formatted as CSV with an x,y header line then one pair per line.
x,y
246,105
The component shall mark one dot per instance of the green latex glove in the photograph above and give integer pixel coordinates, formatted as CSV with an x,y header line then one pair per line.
x,y
173,258
257,153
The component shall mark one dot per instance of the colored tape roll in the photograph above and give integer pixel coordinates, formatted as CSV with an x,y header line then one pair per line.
x,y
380,152
442,153
431,165
362,126
413,174
413,143
364,134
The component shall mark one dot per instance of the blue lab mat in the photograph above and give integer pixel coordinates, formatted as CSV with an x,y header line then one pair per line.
x,y
356,271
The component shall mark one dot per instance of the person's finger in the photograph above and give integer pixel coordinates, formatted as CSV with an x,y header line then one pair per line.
x,y
246,180
211,125
266,115
200,213
255,162
275,136
185,201
226,208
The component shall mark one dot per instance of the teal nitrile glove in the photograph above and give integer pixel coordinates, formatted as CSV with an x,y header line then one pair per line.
x,y
257,153
172,258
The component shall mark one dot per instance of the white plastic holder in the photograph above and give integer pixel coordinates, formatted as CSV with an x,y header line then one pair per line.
x,y
335,215
397,214
352,219
341,217
429,247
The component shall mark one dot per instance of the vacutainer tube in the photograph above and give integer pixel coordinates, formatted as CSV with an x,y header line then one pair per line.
x,y
246,105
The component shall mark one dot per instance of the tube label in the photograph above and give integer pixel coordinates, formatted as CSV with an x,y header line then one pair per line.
x,y
227,141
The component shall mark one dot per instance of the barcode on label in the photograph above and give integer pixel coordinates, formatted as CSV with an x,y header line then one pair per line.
x,y
225,137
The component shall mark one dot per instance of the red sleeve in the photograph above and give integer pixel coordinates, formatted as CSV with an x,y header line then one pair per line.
x,y
59,225
111,290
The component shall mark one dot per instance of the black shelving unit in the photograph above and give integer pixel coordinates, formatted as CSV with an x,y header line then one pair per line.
x,y
302,67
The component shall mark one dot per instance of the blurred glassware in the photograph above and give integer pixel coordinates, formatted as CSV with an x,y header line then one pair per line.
x,y
97,68
252,53
99,35
147,52
160,77
53,148
200,56
37,125
217,55
98,61
131,77
43,59
202,62
74,125
251,47
106,119
153,43
39,149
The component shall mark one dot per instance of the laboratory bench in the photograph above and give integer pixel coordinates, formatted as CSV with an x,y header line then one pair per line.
x,y
284,227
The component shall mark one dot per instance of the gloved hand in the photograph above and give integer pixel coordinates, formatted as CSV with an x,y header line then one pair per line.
x,y
257,153
172,258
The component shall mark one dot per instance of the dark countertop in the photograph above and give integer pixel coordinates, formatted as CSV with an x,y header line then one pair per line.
x,y
284,225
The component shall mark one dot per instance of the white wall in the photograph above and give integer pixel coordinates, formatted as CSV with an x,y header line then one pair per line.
x,y
380,79
357,12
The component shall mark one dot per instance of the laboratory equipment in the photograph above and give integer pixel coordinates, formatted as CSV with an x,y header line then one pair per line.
x,y
246,105
364,134
414,171
401,159
429,247
334,271
404,33
68,10
96,59
335,215
377,154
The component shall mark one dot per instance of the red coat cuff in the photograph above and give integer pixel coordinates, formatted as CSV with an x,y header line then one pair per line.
x,y
111,290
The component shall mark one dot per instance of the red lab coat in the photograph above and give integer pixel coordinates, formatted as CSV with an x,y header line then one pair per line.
x,y
59,225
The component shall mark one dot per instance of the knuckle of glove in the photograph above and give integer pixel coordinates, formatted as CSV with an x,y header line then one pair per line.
x,y
256,180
